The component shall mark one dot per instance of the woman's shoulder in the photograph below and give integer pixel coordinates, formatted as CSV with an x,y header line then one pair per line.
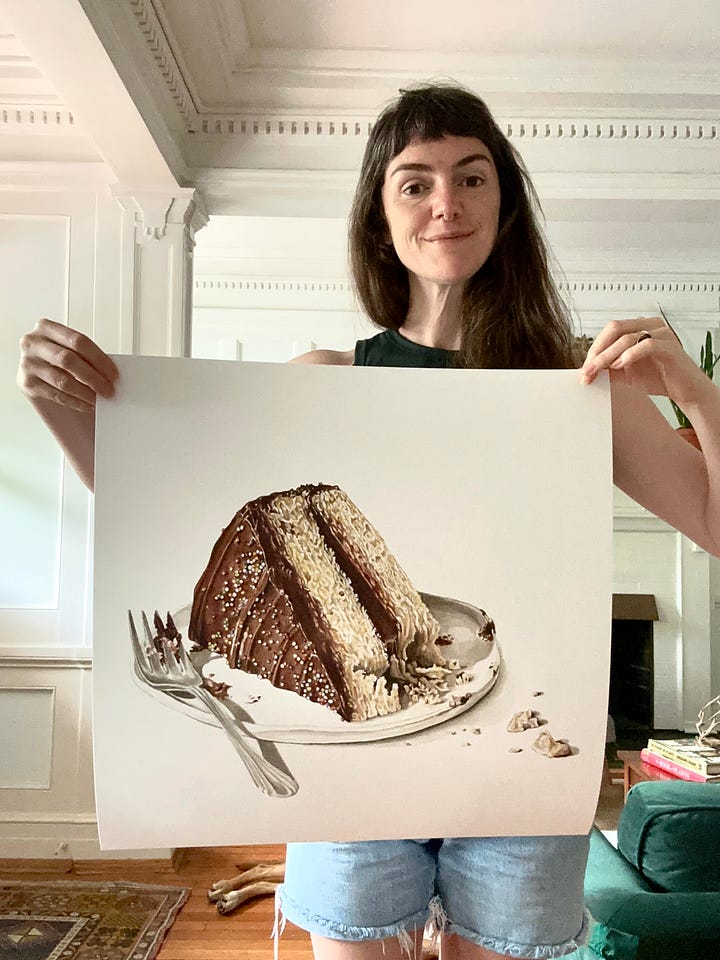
x,y
338,358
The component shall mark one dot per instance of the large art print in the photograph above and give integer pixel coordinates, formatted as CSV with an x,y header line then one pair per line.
x,y
348,603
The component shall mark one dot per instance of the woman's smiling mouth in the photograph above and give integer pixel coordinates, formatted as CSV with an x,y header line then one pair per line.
x,y
449,237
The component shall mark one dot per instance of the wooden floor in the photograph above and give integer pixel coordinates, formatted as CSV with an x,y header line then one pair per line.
x,y
200,932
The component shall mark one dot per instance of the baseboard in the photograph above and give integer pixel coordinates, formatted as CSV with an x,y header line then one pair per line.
x,y
64,841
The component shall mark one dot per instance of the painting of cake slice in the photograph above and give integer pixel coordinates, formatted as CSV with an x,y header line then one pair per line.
x,y
303,591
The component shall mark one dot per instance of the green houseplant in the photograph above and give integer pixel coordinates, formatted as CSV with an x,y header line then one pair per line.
x,y
708,361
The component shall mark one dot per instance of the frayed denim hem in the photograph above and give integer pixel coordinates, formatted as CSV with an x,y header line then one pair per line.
x,y
285,909
526,951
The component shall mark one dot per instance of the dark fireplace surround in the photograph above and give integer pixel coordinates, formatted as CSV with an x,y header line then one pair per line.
x,y
631,703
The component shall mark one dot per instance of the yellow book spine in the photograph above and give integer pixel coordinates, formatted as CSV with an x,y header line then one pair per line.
x,y
682,758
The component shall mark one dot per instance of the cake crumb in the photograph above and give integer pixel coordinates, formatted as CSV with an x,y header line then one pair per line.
x,y
217,688
550,747
538,693
525,720
515,750
254,699
459,701
477,730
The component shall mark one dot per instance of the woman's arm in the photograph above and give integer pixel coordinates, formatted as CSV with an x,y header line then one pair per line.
x,y
337,358
652,463
61,373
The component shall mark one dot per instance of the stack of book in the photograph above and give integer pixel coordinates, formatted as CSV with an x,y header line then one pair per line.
x,y
688,759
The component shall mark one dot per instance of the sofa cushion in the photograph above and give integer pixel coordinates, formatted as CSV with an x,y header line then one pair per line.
x,y
670,832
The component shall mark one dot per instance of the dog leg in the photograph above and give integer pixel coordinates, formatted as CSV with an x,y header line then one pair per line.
x,y
274,872
232,900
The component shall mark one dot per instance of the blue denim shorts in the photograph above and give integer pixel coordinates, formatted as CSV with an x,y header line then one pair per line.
x,y
521,896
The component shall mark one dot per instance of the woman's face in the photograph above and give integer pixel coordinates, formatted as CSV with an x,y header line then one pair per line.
x,y
441,200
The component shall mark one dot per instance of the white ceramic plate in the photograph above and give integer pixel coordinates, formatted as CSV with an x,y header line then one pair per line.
x,y
267,713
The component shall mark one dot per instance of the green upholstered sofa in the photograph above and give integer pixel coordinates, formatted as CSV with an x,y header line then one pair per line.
x,y
657,896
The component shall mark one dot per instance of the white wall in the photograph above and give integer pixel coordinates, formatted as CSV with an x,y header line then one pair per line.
x,y
51,243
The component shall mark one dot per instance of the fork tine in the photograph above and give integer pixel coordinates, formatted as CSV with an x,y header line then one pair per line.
x,y
141,661
153,658
170,659
185,662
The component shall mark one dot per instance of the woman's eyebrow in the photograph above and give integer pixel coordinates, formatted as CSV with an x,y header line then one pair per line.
x,y
472,158
425,167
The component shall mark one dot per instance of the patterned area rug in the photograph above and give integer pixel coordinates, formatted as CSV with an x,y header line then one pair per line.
x,y
67,920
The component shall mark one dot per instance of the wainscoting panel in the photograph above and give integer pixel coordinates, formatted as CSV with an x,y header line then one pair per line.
x,y
46,762
26,719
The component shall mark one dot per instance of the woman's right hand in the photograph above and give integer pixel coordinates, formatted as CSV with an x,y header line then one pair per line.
x,y
63,366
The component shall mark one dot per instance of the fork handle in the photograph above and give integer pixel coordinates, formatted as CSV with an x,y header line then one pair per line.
x,y
265,775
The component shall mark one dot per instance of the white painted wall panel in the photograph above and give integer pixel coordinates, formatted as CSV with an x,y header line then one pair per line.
x,y
33,276
51,246
26,719
47,268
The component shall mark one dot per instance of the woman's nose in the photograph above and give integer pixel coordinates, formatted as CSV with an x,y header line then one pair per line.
x,y
446,203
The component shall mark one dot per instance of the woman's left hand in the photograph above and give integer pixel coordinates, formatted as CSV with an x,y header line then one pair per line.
x,y
656,365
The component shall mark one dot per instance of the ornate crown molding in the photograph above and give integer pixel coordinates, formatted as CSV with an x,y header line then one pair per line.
x,y
657,285
260,285
153,33
515,128
37,119
595,124
155,211
610,129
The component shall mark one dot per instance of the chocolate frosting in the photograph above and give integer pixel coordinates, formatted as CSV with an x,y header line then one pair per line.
x,y
249,606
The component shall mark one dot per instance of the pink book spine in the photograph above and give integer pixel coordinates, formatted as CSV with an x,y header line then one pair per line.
x,y
669,766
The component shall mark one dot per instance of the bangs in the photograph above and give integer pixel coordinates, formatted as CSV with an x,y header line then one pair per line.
x,y
431,113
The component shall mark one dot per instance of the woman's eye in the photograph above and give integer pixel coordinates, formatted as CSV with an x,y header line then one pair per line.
x,y
412,189
474,180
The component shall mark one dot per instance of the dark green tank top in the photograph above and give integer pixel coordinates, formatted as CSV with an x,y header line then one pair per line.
x,y
392,349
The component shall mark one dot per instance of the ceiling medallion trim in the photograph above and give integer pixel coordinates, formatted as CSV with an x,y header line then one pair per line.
x,y
671,129
152,30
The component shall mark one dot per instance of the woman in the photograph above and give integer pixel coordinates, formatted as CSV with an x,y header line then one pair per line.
x,y
447,256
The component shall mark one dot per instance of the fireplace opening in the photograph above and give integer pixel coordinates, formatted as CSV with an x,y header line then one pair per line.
x,y
632,680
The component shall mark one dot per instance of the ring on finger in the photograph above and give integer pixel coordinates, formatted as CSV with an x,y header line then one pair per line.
x,y
643,335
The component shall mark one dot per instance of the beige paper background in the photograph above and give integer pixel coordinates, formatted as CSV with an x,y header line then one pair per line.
x,y
493,487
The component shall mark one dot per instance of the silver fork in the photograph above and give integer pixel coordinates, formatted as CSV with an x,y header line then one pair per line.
x,y
172,672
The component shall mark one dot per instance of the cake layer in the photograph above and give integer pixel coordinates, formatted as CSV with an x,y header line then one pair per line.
x,y
302,590
404,622
349,639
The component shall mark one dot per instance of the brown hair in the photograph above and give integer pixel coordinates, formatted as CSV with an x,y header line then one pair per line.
x,y
512,314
